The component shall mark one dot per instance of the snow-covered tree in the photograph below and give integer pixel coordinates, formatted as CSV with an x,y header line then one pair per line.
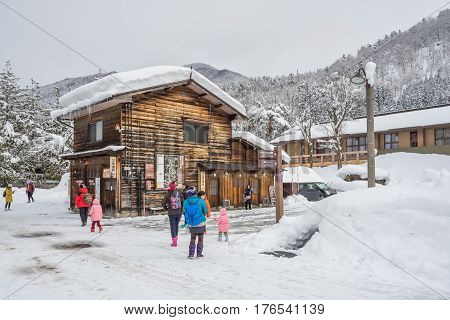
x,y
339,103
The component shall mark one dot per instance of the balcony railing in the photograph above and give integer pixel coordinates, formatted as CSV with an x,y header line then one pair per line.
x,y
324,159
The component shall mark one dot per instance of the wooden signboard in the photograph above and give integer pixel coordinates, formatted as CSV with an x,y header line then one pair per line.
x,y
97,188
272,195
160,171
113,167
266,163
266,154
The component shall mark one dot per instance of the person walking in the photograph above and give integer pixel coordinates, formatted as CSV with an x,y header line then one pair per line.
x,y
82,204
195,211
8,195
248,192
223,225
202,194
173,204
96,214
30,190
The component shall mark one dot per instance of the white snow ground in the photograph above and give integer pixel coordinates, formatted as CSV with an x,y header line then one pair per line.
x,y
132,258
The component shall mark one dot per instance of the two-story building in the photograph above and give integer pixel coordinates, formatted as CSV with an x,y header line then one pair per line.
x,y
423,131
136,131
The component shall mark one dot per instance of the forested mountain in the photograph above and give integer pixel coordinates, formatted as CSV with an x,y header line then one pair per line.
x,y
412,72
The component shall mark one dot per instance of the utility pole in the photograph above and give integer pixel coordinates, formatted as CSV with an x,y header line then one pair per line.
x,y
366,76
279,184
370,137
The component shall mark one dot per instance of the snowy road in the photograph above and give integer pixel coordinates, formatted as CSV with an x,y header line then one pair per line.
x,y
132,259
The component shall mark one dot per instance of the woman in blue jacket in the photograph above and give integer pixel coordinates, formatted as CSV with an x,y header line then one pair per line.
x,y
195,211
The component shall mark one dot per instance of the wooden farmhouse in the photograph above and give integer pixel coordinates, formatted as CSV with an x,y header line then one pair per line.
x,y
136,131
424,130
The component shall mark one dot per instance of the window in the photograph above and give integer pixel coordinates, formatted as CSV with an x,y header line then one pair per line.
x,y
196,133
357,144
213,187
391,141
320,147
442,136
95,131
413,139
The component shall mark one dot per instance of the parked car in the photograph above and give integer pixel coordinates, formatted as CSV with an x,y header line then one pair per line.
x,y
315,191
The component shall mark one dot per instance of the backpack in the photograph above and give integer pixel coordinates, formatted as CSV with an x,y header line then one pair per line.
x,y
175,200
192,213
87,198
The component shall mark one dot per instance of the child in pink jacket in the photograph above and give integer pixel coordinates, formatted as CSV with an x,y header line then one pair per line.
x,y
96,213
223,225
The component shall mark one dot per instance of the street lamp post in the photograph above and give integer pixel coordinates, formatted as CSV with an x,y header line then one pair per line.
x,y
361,78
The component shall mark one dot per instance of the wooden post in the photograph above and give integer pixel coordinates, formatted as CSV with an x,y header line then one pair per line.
x,y
279,185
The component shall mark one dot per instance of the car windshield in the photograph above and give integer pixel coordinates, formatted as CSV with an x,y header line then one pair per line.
x,y
323,186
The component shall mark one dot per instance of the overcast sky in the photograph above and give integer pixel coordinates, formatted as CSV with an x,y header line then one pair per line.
x,y
254,37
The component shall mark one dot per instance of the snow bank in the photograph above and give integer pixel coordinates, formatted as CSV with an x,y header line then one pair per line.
x,y
129,81
262,144
408,222
301,175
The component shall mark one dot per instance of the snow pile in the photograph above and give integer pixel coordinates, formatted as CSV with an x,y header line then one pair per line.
x,y
130,81
262,144
407,222
361,170
301,175
370,72
296,200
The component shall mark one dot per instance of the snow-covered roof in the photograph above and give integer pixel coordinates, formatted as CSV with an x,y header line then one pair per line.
x,y
105,150
301,175
257,142
141,80
400,120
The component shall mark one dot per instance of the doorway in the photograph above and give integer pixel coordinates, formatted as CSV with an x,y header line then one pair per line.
x,y
213,192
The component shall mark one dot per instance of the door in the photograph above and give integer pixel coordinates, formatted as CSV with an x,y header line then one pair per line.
x,y
108,196
213,192
256,191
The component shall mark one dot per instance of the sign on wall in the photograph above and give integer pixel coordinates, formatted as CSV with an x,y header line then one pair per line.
x,y
97,188
202,181
180,171
159,171
113,167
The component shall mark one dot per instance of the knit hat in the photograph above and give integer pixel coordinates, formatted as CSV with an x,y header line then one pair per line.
x,y
172,185
191,192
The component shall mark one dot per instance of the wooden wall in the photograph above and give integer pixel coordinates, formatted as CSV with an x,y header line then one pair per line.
x,y
110,135
157,126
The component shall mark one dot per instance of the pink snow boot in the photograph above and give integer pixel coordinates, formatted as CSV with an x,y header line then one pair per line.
x,y
174,242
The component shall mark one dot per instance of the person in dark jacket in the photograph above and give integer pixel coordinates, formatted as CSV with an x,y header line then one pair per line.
x,y
195,211
248,192
30,190
173,204
81,204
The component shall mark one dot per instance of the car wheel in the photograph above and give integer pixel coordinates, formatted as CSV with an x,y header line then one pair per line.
x,y
321,197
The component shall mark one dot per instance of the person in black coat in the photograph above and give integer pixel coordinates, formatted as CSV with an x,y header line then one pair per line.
x,y
248,192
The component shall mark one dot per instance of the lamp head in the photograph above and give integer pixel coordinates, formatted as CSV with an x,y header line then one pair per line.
x,y
359,77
